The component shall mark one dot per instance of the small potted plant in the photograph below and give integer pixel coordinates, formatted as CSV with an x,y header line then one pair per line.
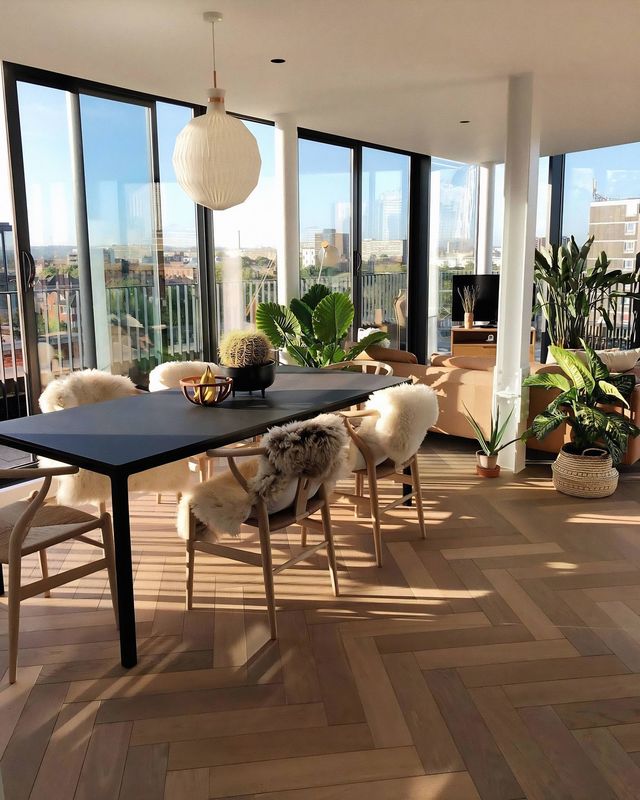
x,y
246,356
487,456
586,399
468,295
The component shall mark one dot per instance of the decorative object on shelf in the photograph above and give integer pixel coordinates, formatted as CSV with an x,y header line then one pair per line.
x,y
587,393
216,158
207,390
570,294
313,329
245,356
487,456
468,295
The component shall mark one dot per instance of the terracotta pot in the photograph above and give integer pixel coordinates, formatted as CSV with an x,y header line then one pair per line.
x,y
487,466
468,320
485,472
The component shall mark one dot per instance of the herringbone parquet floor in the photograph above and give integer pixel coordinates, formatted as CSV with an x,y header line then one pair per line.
x,y
499,659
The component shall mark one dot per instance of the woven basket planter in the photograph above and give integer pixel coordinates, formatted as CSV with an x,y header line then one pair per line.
x,y
588,475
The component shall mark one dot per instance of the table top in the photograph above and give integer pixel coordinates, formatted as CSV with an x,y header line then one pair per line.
x,y
121,437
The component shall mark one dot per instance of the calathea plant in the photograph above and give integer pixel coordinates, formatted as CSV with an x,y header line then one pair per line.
x,y
587,394
569,294
313,329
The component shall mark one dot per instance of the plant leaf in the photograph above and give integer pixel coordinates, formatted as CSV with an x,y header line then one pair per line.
x,y
478,433
332,317
377,337
303,314
278,323
315,294
573,366
609,390
597,366
547,421
332,354
548,380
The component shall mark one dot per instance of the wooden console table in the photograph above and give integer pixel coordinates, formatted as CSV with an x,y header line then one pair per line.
x,y
481,342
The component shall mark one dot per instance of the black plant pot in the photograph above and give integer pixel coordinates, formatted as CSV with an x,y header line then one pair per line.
x,y
250,379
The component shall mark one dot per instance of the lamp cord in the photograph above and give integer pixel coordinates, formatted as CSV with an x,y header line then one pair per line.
x,y
213,47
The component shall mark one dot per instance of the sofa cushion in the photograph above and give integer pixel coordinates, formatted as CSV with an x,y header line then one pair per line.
x,y
389,355
482,363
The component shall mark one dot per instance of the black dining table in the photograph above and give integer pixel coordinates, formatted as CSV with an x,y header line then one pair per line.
x,y
119,438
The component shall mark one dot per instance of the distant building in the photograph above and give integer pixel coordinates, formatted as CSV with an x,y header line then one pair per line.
x,y
615,226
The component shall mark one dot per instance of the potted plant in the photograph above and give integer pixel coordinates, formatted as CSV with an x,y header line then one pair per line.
x,y
313,329
587,401
487,456
468,296
245,356
569,294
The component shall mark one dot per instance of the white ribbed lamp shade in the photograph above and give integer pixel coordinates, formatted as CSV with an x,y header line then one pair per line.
x,y
216,158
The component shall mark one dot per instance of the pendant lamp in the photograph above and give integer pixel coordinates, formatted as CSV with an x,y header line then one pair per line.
x,y
216,158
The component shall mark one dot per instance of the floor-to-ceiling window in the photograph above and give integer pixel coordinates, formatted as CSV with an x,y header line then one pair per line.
x,y
326,215
245,244
602,199
116,279
452,241
385,238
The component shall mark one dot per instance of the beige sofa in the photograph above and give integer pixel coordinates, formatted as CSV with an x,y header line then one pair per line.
x,y
461,381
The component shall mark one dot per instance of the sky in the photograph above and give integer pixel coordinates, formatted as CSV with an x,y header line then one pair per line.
x,y
117,169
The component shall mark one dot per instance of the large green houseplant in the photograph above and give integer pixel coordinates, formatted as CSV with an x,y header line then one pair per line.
x,y
588,399
313,329
569,293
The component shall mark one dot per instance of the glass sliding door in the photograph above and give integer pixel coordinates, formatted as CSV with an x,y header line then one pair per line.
x,y
384,248
107,241
48,175
452,241
125,281
326,215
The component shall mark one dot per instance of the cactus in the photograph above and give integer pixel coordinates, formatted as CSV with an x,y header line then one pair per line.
x,y
244,349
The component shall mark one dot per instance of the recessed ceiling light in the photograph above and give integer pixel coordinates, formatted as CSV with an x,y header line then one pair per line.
x,y
465,121
278,60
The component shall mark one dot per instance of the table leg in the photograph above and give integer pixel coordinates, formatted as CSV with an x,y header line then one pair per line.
x,y
124,573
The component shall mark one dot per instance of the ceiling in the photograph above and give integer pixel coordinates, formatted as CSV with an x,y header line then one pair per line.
x,y
401,73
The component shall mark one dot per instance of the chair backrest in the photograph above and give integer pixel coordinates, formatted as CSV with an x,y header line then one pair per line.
x,y
84,387
403,415
363,365
169,375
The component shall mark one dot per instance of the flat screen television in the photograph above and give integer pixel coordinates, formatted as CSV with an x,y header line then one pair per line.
x,y
487,288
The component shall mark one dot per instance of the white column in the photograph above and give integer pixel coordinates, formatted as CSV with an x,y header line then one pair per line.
x,y
516,278
434,263
286,166
486,191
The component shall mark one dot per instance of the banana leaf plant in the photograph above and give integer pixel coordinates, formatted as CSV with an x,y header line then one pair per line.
x,y
313,329
569,294
586,403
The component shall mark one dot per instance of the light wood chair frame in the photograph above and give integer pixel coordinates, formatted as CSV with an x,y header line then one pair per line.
x,y
373,472
300,511
366,366
19,592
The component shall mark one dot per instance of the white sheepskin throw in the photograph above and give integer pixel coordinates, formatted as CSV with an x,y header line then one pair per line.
x,y
94,386
317,449
85,386
405,414
169,375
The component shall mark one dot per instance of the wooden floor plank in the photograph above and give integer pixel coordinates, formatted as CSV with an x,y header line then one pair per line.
x,y
187,784
495,654
13,698
337,685
620,771
491,774
145,772
324,770
429,731
104,763
527,611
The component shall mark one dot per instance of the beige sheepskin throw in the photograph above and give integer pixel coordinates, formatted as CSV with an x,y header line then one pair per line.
x,y
317,449
405,414
94,386
169,375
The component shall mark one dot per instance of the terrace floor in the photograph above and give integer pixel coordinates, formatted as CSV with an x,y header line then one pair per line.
x,y
498,659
